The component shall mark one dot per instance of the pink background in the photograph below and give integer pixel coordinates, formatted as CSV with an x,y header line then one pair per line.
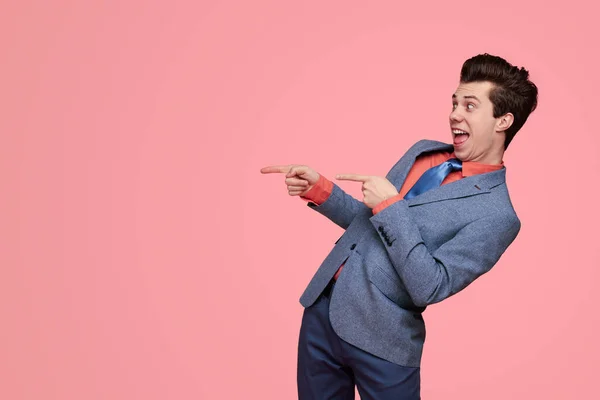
x,y
143,255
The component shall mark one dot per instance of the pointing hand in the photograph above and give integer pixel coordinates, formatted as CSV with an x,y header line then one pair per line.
x,y
299,178
375,188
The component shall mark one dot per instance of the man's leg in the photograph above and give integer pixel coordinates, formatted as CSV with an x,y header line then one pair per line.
x,y
321,373
379,379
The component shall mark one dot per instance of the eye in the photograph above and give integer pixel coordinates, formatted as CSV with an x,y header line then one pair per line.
x,y
469,105
454,105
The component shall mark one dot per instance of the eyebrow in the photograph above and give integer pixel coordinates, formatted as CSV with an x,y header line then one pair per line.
x,y
467,97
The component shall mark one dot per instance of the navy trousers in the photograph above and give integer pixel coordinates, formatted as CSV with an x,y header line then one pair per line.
x,y
329,367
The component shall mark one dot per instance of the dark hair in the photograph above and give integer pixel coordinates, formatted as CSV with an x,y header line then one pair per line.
x,y
512,92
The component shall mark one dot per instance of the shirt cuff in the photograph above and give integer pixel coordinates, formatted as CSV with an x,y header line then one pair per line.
x,y
320,191
386,203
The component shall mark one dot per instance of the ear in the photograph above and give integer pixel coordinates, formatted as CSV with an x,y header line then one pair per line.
x,y
504,122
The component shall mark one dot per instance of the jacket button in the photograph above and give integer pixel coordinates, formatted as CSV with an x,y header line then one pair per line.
x,y
353,246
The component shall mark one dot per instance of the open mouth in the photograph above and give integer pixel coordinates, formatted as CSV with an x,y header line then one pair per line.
x,y
460,136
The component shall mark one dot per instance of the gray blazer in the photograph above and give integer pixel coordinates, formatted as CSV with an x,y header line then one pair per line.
x,y
411,254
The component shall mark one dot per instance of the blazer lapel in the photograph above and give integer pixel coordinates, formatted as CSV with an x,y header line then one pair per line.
x,y
465,187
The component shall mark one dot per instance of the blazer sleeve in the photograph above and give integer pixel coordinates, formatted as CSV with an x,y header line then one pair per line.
x,y
339,207
430,277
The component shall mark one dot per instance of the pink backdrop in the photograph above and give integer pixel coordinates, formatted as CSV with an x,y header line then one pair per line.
x,y
143,255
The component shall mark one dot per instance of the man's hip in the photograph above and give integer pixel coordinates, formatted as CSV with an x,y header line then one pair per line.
x,y
330,368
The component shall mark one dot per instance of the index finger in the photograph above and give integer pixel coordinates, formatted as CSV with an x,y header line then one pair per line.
x,y
352,177
272,169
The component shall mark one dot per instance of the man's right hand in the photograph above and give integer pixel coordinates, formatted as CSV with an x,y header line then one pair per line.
x,y
298,178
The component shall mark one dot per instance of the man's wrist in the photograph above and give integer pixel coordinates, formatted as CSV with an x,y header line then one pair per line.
x,y
385,203
320,191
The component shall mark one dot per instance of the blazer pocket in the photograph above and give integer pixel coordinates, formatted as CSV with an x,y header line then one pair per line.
x,y
392,290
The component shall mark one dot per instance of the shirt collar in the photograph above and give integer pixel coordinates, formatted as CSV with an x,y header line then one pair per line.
x,y
470,168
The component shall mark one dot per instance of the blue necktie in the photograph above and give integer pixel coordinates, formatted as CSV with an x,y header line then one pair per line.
x,y
434,177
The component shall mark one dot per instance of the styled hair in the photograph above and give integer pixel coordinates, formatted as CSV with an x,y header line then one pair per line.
x,y
512,90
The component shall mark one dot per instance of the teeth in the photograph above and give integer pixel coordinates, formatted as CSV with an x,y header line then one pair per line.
x,y
459,132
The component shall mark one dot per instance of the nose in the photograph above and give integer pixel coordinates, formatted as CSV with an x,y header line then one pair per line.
x,y
456,116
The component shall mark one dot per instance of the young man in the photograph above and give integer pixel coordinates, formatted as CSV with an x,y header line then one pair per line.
x,y
440,218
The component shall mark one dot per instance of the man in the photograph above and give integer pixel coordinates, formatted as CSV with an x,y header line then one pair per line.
x,y
440,218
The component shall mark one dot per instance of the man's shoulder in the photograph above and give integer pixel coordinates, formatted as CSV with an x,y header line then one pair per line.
x,y
420,147
427,142
427,145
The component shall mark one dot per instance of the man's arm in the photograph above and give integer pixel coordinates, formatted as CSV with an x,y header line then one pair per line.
x,y
330,200
430,277
324,196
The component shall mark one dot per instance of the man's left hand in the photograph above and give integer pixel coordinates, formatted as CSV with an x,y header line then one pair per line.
x,y
375,188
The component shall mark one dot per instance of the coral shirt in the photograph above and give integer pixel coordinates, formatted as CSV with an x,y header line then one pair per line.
x,y
323,188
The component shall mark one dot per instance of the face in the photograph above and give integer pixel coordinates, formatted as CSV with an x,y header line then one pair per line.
x,y
476,134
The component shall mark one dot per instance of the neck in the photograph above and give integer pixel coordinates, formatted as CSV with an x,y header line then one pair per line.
x,y
491,158
495,160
